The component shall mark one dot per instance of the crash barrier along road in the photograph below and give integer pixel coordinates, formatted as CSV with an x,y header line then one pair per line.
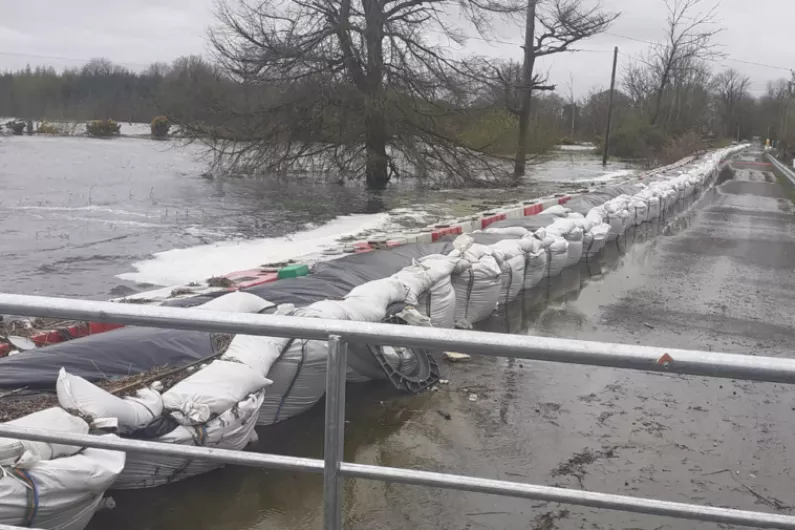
x,y
340,333
788,173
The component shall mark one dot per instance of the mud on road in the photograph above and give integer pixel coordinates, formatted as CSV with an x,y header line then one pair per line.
x,y
717,277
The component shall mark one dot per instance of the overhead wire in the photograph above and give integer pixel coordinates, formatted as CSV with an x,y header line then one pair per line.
x,y
717,60
70,59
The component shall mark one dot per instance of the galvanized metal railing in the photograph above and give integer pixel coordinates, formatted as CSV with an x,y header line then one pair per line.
x,y
339,333
787,171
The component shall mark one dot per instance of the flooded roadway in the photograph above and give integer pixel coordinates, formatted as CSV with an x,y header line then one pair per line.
x,y
717,277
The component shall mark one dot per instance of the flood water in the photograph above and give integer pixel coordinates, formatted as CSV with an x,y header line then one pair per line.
x,y
77,213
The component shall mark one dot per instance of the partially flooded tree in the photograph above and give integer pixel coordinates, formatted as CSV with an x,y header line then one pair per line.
x,y
351,86
551,26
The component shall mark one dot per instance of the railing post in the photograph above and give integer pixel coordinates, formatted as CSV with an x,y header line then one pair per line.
x,y
337,368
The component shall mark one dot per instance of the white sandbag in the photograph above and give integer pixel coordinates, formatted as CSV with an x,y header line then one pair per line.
x,y
512,268
416,280
462,243
598,238
237,302
536,267
558,210
580,220
562,227
529,243
331,309
25,453
573,234
299,381
653,203
617,222
78,396
512,278
438,265
233,429
596,216
641,210
587,242
519,231
384,292
545,239
256,351
558,254
212,391
369,302
438,303
68,490
477,290
573,253
508,248
477,251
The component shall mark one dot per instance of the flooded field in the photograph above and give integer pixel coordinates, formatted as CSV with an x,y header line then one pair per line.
x,y
84,217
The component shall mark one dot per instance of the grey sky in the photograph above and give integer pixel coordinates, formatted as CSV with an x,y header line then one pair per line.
x,y
138,32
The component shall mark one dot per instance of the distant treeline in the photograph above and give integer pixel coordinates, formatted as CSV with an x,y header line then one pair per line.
x,y
102,90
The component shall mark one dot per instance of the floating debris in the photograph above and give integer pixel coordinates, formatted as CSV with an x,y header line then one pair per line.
x,y
454,357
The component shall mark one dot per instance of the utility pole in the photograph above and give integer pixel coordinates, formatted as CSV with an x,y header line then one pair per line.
x,y
527,89
572,107
610,107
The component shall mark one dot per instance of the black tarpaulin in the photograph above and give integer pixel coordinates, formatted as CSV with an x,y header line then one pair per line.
x,y
118,353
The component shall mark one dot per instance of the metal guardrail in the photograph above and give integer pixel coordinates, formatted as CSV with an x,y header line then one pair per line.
x,y
339,333
787,171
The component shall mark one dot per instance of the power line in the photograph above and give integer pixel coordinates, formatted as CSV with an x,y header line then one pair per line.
x,y
517,44
728,58
71,59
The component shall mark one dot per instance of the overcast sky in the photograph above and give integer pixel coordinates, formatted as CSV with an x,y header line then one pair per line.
x,y
138,32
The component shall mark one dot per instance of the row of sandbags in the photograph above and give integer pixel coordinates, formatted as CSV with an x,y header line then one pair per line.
x,y
541,246
262,380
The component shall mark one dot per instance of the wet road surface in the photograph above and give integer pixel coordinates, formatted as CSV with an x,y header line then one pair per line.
x,y
719,276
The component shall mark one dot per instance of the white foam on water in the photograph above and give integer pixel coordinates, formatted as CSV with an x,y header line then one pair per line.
x,y
88,208
602,177
195,264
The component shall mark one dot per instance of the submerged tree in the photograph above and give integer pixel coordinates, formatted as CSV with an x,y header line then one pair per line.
x,y
551,27
354,86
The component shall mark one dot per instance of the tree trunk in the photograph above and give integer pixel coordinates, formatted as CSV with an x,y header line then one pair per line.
x,y
377,165
527,90
375,122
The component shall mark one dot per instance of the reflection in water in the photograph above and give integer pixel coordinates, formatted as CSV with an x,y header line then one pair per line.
x,y
388,429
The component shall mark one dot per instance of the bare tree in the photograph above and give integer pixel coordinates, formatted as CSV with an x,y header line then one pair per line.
x,y
353,86
731,89
689,40
551,27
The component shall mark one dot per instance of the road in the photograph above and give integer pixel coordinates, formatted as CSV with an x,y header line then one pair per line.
x,y
719,276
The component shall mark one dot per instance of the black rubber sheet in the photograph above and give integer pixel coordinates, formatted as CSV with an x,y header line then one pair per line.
x,y
132,350
334,279
118,353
